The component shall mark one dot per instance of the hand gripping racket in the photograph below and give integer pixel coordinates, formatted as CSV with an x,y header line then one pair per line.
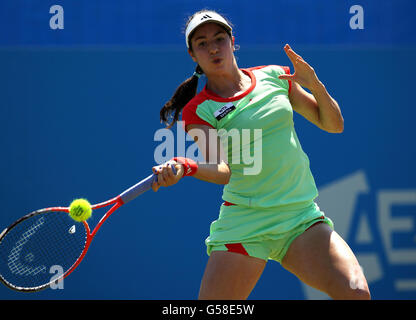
x,y
46,239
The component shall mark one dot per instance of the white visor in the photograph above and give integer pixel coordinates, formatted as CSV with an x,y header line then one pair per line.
x,y
204,17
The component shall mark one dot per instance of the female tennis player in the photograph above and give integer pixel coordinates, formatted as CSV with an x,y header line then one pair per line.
x,y
269,215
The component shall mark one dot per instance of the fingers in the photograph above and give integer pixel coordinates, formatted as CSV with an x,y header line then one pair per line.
x,y
165,175
155,186
292,54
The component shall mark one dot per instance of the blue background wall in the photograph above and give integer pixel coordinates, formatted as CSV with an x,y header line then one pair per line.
x,y
79,110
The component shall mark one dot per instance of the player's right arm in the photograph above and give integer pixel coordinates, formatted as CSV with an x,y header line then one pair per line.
x,y
214,169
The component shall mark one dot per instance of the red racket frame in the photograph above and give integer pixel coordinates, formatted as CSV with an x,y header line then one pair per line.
x,y
125,197
117,202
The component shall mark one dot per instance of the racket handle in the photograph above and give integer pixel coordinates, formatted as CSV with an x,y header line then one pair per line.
x,y
141,187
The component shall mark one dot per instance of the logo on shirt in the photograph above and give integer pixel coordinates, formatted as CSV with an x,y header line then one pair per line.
x,y
224,110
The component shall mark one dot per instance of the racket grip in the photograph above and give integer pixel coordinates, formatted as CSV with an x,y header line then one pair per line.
x,y
141,187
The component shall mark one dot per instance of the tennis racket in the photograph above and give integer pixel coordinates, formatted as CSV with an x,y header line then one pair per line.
x,y
36,245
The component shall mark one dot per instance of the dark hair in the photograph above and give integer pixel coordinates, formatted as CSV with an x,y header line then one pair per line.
x,y
170,112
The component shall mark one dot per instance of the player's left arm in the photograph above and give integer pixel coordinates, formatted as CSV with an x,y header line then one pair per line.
x,y
318,106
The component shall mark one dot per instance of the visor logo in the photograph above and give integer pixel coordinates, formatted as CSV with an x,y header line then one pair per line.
x,y
206,17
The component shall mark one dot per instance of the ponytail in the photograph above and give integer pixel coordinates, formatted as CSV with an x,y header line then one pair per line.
x,y
183,94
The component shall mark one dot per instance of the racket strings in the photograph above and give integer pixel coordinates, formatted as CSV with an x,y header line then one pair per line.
x,y
32,251
13,259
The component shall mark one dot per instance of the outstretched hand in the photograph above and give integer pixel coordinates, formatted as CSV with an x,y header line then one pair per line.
x,y
303,74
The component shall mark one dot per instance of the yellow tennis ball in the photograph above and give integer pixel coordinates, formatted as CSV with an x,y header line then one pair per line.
x,y
80,210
